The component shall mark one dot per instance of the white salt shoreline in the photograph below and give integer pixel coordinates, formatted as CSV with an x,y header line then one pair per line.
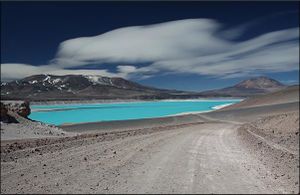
x,y
188,100
221,106
199,112
130,101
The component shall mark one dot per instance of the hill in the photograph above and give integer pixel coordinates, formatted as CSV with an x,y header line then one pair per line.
x,y
250,87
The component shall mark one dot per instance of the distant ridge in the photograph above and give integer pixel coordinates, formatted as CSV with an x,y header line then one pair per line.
x,y
91,87
250,87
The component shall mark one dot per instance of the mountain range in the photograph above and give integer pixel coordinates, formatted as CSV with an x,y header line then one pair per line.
x,y
87,87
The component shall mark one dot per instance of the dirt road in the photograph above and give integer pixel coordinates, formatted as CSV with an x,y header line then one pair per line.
x,y
201,158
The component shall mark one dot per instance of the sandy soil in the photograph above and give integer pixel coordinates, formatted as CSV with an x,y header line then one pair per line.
x,y
200,158
252,113
26,129
288,95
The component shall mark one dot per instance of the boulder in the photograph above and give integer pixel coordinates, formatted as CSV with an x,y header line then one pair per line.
x,y
21,108
4,115
24,109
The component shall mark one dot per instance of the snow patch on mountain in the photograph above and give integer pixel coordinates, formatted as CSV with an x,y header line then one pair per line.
x,y
54,81
94,79
47,79
32,82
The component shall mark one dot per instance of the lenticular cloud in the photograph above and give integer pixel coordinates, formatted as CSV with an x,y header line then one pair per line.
x,y
165,41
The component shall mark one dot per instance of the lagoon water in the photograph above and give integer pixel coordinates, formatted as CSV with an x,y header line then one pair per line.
x,y
82,113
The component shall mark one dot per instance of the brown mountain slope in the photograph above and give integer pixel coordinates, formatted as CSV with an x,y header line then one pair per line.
x,y
287,95
250,87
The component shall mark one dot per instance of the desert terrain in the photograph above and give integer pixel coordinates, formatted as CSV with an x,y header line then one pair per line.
x,y
250,147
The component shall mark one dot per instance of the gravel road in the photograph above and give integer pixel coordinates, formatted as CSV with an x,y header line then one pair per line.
x,y
199,158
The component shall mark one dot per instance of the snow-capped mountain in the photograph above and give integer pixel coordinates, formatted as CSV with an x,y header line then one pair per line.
x,y
43,87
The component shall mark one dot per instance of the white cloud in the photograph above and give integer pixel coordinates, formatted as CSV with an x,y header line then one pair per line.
x,y
126,69
170,40
196,46
276,58
18,71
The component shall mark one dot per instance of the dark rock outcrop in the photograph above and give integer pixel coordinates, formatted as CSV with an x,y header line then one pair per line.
x,y
23,109
11,108
4,115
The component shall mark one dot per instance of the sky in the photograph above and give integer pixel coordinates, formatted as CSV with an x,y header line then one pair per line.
x,y
192,46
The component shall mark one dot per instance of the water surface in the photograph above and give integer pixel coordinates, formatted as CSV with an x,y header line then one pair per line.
x,y
81,113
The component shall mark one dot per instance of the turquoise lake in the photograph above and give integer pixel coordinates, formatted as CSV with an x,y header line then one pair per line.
x,y
81,113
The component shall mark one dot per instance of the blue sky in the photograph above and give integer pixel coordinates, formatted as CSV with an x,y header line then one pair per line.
x,y
176,45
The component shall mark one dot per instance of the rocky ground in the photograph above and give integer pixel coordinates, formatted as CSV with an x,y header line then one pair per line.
x,y
281,129
29,130
274,141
